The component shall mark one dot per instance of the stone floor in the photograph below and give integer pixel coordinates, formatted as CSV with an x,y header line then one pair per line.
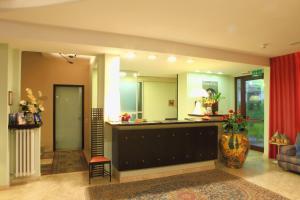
x,y
71,186
63,162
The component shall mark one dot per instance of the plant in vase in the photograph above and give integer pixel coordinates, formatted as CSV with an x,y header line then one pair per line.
x,y
33,107
234,143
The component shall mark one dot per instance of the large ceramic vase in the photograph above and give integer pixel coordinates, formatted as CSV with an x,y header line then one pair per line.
x,y
234,148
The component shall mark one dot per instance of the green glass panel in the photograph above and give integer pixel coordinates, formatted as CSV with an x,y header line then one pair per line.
x,y
255,110
128,93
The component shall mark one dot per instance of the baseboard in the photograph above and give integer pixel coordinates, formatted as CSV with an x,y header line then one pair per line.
x,y
158,172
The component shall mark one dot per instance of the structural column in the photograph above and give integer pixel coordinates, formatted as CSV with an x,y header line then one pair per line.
x,y
4,110
108,90
108,86
10,78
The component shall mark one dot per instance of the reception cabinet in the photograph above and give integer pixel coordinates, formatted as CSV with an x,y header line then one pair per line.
x,y
154,147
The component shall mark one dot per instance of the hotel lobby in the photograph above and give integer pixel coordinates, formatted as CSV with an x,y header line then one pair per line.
x,y
149,100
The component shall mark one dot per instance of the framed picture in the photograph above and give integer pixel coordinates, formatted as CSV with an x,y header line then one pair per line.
x,y
10,98
172,103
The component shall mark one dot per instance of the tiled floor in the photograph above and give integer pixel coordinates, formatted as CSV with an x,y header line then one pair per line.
x,y
72,185
63,162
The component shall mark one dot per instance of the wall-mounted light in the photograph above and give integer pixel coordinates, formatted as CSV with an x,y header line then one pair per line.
x,y
172,59
10,98
220,73
209,72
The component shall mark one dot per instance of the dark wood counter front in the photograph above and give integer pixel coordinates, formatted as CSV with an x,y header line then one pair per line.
x,y
139,148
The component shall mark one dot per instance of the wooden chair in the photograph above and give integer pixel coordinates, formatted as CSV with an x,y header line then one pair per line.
x,y
94,163
98,161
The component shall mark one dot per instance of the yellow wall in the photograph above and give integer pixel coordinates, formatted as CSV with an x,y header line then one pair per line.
x,y
40,72
156,96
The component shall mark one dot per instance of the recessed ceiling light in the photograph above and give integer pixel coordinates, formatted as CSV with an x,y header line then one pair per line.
x,y
197,71
172,58
220,73
136,74
152,57
130,55
209,72
190,61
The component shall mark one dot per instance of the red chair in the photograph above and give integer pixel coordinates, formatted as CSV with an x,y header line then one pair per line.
x,y
96,167
98,161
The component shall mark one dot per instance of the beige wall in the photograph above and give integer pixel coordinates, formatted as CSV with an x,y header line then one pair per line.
x,y
157,91
40,72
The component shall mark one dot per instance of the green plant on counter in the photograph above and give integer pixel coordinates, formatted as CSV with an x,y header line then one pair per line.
x,y
217,97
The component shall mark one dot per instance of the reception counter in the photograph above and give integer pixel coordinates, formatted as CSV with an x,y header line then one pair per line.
x,y
163,144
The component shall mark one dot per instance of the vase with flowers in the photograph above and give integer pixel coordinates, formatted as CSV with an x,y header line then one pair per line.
x,y
234,143
125,117
211,102
32,107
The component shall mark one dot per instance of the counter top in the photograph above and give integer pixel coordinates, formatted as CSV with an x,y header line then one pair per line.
x,y
187,121
213,115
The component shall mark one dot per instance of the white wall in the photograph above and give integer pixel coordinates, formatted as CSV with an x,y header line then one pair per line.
x,y
156,96
190,81
94,88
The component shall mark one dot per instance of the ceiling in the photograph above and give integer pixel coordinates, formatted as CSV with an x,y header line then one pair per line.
x,y
163,68
230,25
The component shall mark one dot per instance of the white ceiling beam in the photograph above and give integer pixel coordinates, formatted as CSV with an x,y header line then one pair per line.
x,y
17,32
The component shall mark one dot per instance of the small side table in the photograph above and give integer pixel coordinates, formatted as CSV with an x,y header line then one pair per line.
x,y
278,149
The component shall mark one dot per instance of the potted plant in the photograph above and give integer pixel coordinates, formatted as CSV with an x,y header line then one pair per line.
x,y
234,143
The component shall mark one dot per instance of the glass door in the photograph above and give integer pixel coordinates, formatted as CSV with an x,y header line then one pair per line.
x,y
250,101
68,113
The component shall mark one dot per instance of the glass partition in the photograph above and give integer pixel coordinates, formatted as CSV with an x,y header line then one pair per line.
x,y
250,101
255,111
131,95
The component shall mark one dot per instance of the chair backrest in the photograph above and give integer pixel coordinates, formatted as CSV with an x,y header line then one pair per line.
x,y
97,132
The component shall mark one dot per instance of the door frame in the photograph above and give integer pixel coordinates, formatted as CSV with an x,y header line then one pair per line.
x,y
243,106
54,112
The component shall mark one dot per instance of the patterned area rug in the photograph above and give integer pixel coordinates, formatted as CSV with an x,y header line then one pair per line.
x,y
63,162
213,184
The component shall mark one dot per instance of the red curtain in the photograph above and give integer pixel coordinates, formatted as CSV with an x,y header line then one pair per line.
x,y
284,97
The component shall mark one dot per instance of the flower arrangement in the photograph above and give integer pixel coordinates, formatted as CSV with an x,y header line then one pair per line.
x,y
125,117
234,122
212,99
33,105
